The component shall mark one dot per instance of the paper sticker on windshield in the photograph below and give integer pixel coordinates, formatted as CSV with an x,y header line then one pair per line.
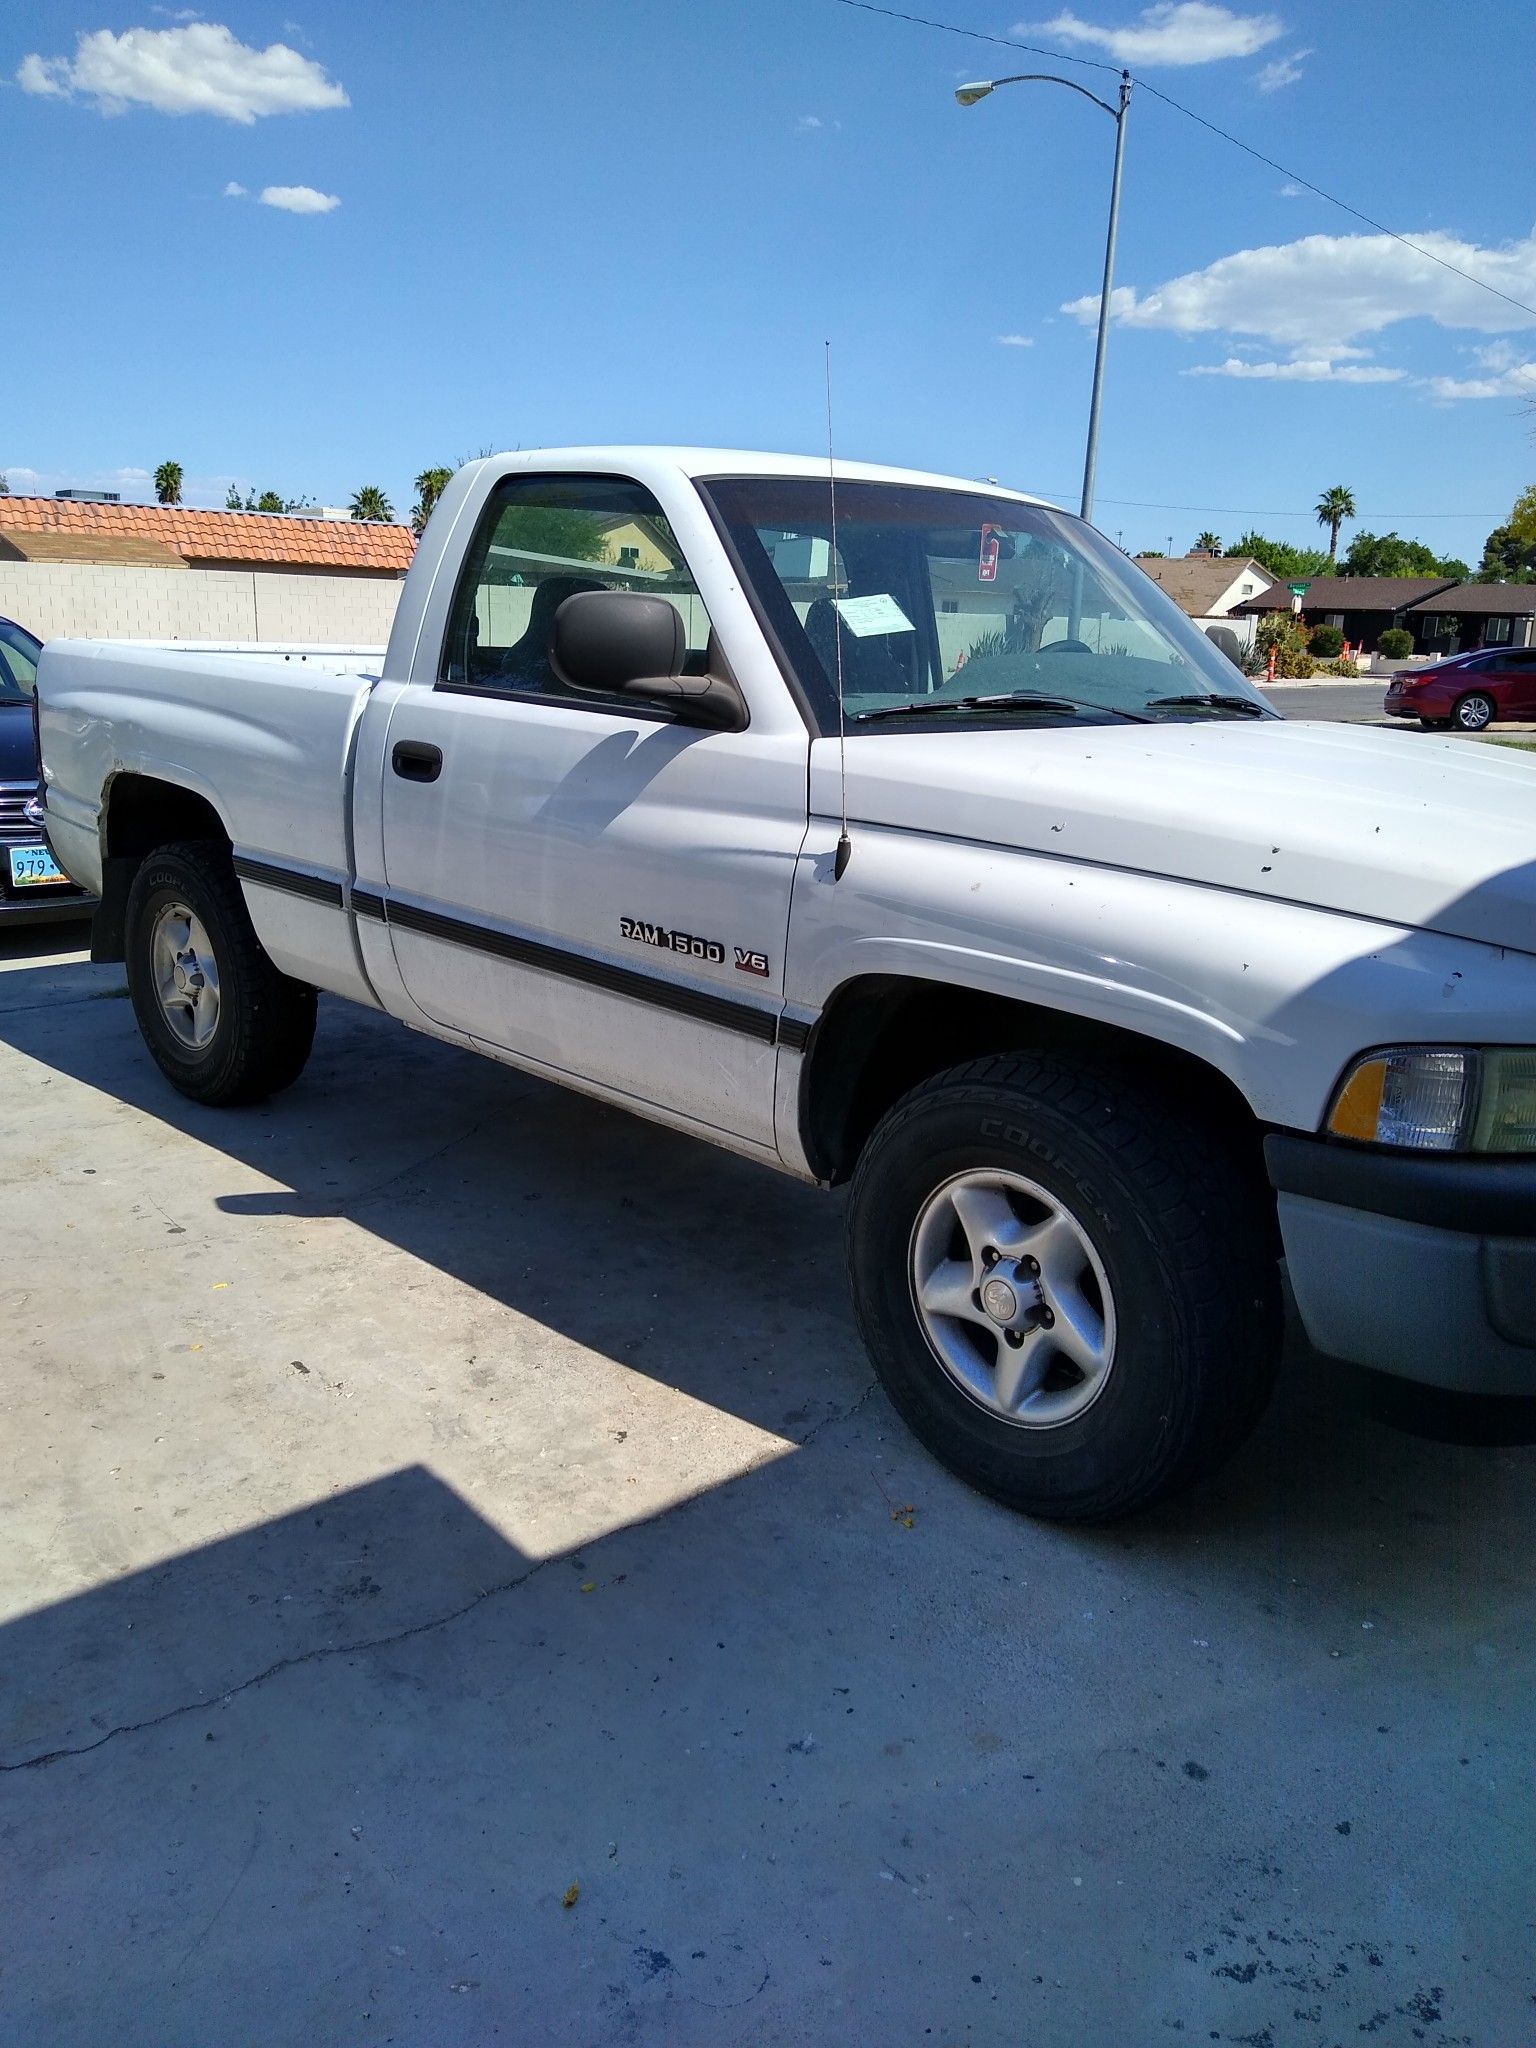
x,y
865,615
986,561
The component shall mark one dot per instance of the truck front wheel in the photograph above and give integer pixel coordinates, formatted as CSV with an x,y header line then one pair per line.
x,y
1067,1289
224,1026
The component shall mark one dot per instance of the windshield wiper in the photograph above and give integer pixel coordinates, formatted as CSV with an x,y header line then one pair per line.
x,y
1025,700
1036,699
1245,707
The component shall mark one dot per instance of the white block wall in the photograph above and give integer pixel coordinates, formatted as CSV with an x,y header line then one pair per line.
x,y
102,601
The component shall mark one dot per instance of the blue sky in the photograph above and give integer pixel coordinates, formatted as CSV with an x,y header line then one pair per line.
x,y
562,223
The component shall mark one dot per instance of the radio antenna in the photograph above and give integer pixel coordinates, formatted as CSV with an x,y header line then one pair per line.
x,y
844,847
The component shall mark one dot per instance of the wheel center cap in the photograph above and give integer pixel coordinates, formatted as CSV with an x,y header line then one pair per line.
x,y
999,1300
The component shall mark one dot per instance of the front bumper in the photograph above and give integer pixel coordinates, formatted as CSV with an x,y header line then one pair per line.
x,y
49,904
56,907
1417,1265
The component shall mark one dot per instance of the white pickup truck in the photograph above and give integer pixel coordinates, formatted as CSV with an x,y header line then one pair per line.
x,y
890,829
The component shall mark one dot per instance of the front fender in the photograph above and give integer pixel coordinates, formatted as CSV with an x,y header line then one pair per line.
x,y
1276,996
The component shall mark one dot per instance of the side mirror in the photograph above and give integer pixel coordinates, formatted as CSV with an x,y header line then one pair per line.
x,y
623,643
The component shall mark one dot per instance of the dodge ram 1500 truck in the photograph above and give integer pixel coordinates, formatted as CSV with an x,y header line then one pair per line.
x,y
888,829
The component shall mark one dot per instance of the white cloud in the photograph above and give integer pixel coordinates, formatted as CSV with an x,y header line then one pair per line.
x,y
1016,340
1292,192
807,123
34,75
1316,295
1301,370
1496,355
1174,32
1282,71
234,191
1506,376
298,199
198,69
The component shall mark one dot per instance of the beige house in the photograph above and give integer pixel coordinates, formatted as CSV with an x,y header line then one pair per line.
x,y
1210,587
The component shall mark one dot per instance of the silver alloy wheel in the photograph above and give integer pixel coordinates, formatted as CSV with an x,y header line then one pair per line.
x,y
1013,1298
186,976
1474,712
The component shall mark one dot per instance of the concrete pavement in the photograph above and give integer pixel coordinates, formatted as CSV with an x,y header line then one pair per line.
x,y
457,1587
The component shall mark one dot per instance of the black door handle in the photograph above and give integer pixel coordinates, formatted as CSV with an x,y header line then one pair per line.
x,y
417,761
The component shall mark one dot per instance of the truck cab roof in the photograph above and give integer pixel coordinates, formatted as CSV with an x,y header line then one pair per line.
x,y
639,458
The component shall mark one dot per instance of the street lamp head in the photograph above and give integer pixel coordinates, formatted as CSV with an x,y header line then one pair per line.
x,y
968,95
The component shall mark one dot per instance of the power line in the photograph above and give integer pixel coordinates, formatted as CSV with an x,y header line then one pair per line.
x,y
1257,512
976,35
1332,198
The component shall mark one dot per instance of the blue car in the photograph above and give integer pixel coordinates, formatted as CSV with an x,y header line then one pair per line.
x,y
33,889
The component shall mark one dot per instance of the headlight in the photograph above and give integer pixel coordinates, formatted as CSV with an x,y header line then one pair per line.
x,y
1434,1099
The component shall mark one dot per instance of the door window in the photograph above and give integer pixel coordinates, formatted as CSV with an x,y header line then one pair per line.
x,y
542,539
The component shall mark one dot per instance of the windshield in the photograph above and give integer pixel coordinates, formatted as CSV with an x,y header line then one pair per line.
x,y
930,600
18,662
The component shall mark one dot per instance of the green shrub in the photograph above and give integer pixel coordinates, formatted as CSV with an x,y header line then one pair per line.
x,y
1327,642
1285,633
1396,644
1337,668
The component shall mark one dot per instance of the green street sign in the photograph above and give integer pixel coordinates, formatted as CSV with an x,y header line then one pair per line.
x,y
1300,589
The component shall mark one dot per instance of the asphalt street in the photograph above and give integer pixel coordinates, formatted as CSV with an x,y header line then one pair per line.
x,y
1351,703
459,1584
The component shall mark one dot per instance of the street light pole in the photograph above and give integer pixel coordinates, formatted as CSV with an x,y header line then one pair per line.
x,y
1091,456
968,95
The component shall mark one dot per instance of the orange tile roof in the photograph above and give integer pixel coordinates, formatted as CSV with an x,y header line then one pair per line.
x,y
274,538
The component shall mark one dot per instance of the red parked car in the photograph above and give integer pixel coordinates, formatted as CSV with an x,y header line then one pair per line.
x,y
1468,691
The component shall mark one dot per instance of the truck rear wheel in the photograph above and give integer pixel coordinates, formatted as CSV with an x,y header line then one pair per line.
x,y
1067,1290
224,1026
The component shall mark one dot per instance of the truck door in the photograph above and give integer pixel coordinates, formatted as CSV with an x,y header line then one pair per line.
x,y
584,883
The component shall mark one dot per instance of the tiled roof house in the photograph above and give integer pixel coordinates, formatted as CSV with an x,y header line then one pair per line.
x,y
177,537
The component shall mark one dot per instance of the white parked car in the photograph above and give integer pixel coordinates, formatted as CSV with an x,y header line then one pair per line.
x,y
899,833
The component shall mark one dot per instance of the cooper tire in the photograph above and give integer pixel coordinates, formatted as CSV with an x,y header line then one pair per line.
x,y
224,1026
1177,1230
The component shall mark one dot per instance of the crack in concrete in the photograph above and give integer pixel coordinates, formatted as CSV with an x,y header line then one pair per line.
x,y
95,995
323,1651
317,1655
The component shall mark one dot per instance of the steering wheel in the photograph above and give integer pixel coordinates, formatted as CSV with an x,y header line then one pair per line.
x,y
1066,647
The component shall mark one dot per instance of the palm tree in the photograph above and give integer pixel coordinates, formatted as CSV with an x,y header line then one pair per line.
x,y
371,503
430,486
1207,543
1333,508
168,483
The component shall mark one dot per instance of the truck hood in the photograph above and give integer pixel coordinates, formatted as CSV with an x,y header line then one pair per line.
x,y
1435,834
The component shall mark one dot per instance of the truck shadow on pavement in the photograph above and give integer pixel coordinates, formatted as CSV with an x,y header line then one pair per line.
x,y
368,1773
790,1755
670,1257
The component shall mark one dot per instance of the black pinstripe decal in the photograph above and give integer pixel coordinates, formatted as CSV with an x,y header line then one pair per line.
x,y
704,1005
292,882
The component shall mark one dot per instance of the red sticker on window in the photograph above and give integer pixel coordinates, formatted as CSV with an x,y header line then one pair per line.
x,y
986,561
